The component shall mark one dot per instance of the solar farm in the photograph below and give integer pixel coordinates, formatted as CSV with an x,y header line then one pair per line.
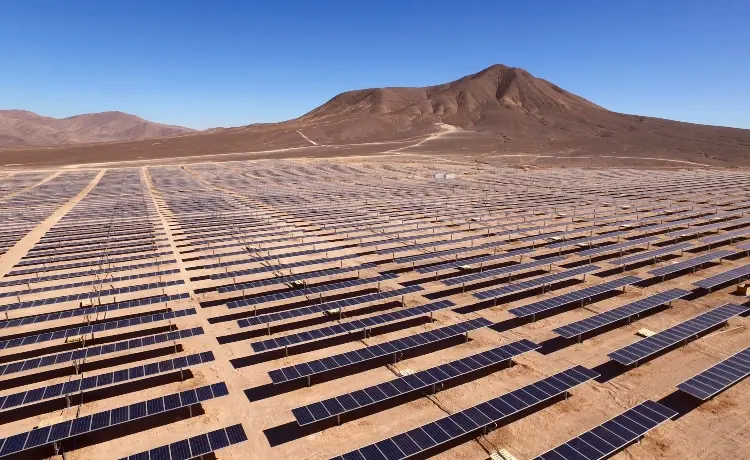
x,y
363,309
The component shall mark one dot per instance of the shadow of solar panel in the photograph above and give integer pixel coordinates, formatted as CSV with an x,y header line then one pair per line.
x,y
356,325
724,277
575,296
535,282
626,311
718,377
47,435
479,417
98,350
374,351
676,334
418,381
336,304
612,435
502,271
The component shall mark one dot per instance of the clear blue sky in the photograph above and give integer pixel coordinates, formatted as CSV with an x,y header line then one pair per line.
x,y
220,63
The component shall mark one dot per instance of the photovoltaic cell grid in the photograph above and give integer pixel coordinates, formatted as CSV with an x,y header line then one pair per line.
x,y
356,325
90,352
374,351
196,446
332,407
726,236
690,263
535,282
646,255
474,260
108,326
336,304
292,278
501,271
724,277
718,377
106,419
487,414
272,267
565,299
612,435
617,246
626,311
590,239
310,290
97,381
683,331
91,310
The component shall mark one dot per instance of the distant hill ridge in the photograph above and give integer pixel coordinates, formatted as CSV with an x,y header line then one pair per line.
x,y
21,128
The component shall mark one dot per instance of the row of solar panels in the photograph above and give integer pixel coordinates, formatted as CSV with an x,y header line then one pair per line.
x,y
508,270
195,446
80,250
273,267
90,263
61,276
90,295
293,278
113,252
76,312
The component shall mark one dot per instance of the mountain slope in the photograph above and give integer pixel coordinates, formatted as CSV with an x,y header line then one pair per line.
x,y
500,112
20,128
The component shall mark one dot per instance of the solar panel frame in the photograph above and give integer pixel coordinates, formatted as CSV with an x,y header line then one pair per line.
x,y
647,347
717,378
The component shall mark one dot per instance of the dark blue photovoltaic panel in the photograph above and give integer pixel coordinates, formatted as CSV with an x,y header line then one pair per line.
x,y
707,228
106,419
646,255
726,236
97,350
590,239
356,325
724,277
535,282
336,304
487,414
374,351
690,263
565,299
474,260
617,246
77,331
718,377
676,334
97,381
502,271
76,312
415,382
311,290
612,435
272,267
291,278
90,263
616,314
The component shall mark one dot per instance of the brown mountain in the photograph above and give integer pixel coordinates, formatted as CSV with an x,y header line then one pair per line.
x,y
495,114
20,128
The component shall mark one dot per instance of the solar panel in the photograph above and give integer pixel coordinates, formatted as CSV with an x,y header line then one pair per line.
x,y
108,326
612,435
676,334
718,377
646,255
336,304
310,368
724,277
310,290
707,228
86,424
195,446
90,352
691,263
535,282
617,246
350,326
91,310
626,311
474,260
15,400
583,294
589,240
502,271
417,381
477,418
726,236
271,267
291,278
